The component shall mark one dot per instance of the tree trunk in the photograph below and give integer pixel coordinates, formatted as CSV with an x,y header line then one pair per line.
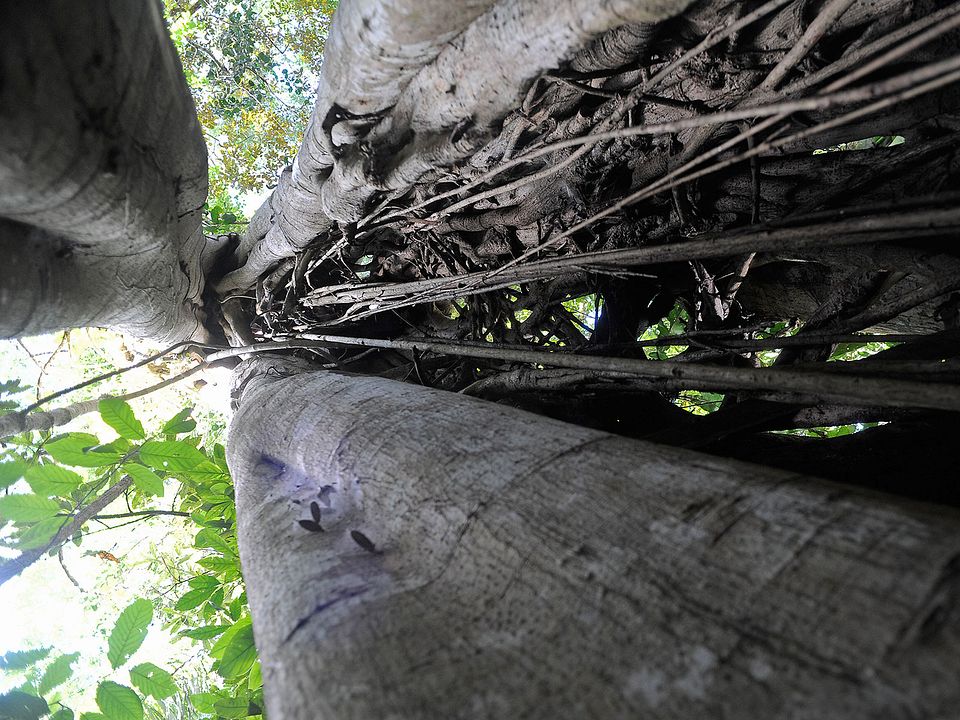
x,y
523,567
470,168
102,173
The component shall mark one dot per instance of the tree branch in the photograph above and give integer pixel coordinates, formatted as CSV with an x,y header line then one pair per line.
x,y
17,565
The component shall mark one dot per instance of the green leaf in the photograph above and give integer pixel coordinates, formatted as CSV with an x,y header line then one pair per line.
x,y
10,472
50,480
204,581
206,632
63,713
75,449
203,701
227,567
118,702
205,472
236,707
240,653
12,387
92,716
220,645
19,660
211,539
57,673
27,508
129,632
193,598
152,680
180,423
220,456
147,481
256,677
18,705
119,415
170,455
41,533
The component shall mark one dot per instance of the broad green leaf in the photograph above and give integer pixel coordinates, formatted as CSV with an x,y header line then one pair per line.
x,y
57,673
41,533
205,472
18,705
119,415
27,508
92,716
204,582
228,567
118,702
75,449
11,471
236,707
211,539
220,456
50,480
148,482
63,713
205,633
203,701
194,598
129,632
171,455
19,660
180,423
240,653
220,645
152,680
256,677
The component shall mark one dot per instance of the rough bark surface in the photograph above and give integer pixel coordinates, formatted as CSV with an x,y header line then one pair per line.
x,y
528,568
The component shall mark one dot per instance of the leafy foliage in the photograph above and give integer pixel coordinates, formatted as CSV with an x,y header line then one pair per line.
x,y
251,67
211,609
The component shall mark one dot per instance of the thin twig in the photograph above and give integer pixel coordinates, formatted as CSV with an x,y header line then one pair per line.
x,y
113,373
65,571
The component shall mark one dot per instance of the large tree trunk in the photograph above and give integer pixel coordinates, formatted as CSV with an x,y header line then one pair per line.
x,y
477,560
103,173
524,567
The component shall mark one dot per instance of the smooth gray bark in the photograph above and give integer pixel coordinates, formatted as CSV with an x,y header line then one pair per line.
x,y
529,568
102,172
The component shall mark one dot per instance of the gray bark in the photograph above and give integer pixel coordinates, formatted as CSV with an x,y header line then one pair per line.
x,y
102,173
522,567
398,99
529,568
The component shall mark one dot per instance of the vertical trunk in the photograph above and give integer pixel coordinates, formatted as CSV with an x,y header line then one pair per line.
x,y
102,172
524,567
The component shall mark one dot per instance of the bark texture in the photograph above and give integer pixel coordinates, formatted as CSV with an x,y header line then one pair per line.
x,y
528,568
398,99
102,173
